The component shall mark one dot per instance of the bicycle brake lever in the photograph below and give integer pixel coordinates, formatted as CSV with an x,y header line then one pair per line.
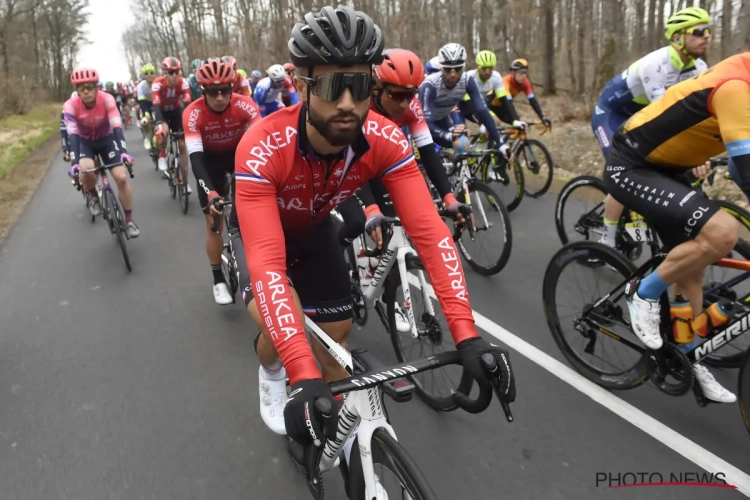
x,y
490,364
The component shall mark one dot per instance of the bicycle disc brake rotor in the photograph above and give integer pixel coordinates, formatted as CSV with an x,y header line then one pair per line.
x,y
430,329
360,307
670,370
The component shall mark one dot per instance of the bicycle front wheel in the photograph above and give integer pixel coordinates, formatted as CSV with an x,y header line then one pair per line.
x,y
434,387
489,250
509,181
396,472
743,390
120,228
536,159
182,187
579,212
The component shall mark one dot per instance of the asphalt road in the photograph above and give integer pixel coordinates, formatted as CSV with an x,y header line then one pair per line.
x,y
138,386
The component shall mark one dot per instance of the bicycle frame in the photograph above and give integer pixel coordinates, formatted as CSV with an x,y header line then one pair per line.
x,y
398,245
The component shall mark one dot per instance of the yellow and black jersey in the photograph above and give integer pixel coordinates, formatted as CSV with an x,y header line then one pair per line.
x,y
694,120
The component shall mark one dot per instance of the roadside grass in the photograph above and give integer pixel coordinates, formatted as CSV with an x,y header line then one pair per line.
x,y
21,134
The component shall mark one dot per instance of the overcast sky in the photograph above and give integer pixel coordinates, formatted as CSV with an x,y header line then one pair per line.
x,y
105,53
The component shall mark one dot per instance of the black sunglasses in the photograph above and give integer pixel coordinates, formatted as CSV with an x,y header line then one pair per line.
x,y
214,92
699,32
173,72
330,86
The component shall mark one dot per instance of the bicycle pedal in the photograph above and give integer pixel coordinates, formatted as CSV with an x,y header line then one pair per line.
x,y
398,389
700,398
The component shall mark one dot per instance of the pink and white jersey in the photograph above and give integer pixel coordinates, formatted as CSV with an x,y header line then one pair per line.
x,y
91,123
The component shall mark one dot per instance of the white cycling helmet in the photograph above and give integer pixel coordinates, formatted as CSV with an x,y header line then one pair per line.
x,y
75,93
276,72
452,54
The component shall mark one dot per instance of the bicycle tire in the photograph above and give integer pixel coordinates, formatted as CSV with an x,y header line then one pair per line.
x,y
182,186
578,252
565,193
736,211
731,359
389,297
550,166
743,390
389,453
517,174
229,270
120,228
490,194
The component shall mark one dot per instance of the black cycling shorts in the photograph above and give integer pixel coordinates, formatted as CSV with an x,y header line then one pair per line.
x,y
173,118
145,107
663,196
316,270
216,165
107,149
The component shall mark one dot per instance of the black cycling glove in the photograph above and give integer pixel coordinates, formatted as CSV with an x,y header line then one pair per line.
x,y
302,423
471,351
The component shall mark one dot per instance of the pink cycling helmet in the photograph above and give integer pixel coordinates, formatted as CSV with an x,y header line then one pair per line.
x,y
84,75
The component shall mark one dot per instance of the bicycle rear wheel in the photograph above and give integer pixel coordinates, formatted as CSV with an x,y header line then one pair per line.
x,y
182,186
434,387
538,175
581,330
585,196
489,214
509,181
743,390
394,462
119,226
739,213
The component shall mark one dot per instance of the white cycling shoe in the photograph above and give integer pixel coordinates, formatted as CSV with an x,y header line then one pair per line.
x,y
162,164
146,144
273,397
711,388
644,316
95,206
221,294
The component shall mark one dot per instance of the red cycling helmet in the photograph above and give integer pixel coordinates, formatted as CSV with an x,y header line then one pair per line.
x,y
170,63
84,75
289,68
214,72
400,67
231,61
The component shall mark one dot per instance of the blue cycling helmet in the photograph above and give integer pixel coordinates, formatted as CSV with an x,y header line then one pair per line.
x,y
432,66
256,74
100,84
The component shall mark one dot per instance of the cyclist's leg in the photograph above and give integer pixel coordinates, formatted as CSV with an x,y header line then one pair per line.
x,y
216,167
604,123
174,119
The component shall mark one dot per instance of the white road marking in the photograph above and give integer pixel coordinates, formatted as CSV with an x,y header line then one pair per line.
x,y
677,442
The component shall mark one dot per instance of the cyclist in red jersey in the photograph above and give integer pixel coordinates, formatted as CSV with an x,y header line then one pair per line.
x,y
292,169
214,125
240,85
166,92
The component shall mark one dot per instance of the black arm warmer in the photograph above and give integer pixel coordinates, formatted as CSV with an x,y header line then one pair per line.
x,y
435,170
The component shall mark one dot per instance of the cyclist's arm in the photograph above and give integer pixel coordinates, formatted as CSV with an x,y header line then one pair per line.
x,y
259,96
115,122
433,165
186,95
64,134
191,124
651,79
156,103
475,96
507,112
263,238
730,103
71,127
427,96
244,87
433,241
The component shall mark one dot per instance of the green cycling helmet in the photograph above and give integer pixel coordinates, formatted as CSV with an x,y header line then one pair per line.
x,y
486,59
242,72
110,85
685,18
195,64
148,68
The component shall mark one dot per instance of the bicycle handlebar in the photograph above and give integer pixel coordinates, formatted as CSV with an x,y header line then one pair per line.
x,y
219,205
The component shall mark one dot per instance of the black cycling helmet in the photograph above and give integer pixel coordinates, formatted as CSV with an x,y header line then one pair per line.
x,y
341,36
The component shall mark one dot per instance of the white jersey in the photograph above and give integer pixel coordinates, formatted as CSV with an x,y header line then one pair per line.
x,y
649,77
144,91
495,82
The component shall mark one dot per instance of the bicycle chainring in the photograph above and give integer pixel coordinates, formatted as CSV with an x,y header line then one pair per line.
x,y
669,369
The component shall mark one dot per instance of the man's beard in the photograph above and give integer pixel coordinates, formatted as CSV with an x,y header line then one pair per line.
x,y
325,127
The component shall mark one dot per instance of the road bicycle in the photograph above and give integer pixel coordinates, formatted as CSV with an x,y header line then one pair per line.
x,y
669,368
177,171
384,286
364,411
490,216
111,210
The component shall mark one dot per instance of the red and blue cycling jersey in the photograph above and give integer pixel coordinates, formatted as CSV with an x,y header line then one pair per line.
x,y
268,96
284,190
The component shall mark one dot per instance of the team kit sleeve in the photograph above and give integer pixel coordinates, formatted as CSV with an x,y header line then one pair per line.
x,y
430,235
71,127
730,103
420,134
191,124
156,101
257,183
651,79
115,122
185,88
